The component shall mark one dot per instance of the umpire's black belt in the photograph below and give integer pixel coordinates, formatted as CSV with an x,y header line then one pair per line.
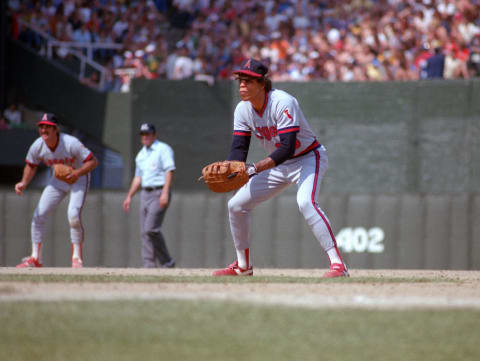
x,y
149,189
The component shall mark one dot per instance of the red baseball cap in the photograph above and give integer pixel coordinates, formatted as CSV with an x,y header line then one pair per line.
x,y
252,67
48,119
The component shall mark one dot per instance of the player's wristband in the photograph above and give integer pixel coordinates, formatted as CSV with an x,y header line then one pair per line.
x,y
251,169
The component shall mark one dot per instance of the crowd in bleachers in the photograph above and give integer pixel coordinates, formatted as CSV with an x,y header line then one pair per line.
x,y
300,40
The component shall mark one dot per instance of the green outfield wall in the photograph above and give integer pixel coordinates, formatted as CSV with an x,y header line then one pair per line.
x,y
380,137
424,231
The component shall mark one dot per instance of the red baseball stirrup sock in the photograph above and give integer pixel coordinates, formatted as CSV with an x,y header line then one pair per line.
x,y
334,256
77,250
243,258
37,251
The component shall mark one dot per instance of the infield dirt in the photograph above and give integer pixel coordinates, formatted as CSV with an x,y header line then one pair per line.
x,y
396,289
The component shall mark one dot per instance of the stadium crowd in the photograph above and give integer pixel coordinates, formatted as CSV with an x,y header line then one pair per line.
x,y
300,40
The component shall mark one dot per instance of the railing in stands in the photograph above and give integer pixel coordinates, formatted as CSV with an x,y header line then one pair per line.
x,y
72,47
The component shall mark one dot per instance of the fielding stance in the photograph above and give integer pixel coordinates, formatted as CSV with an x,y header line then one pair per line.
x,y
154,174
53,147
276,119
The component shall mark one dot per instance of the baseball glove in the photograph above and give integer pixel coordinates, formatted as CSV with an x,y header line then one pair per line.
x,y
61,171
226,176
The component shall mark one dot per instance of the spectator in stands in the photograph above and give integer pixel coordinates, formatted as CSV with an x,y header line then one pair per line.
x,y
82,35
436,64
4,123
301,40
13,116
474,58
92,81
453,65
183,67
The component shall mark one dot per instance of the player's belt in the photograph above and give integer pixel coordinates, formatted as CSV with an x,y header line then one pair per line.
x,y
149,189
307,150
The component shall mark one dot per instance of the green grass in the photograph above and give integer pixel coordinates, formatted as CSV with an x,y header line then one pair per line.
x,y
188,330
51,278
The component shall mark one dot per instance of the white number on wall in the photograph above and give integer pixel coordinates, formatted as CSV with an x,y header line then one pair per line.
x,y
361,240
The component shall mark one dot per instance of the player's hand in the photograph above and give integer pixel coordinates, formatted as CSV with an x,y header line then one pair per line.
x,y
164,200
126,204
72,177
19,187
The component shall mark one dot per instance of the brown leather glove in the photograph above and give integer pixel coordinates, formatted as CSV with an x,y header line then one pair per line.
x,y
226,176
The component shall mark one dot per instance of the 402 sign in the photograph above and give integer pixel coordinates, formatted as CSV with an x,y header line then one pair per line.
x,y
361,240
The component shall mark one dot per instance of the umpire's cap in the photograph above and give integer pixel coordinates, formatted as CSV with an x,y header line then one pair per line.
x,y
48,119
147,128
252,67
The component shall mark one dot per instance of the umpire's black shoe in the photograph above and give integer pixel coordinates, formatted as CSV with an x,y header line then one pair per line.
x,y
169,264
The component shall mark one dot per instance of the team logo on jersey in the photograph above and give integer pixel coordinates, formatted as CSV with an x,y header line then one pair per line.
x,y
288,114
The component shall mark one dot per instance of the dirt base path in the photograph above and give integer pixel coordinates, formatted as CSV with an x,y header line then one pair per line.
x,y
451,289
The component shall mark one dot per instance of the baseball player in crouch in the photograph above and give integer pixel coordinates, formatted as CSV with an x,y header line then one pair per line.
x,y
53,147
295,157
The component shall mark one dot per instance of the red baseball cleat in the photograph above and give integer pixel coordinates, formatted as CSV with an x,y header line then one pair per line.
x,y
29,262
234,270
337,270
77,263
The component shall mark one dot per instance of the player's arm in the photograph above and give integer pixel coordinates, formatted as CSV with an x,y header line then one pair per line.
x,y
239,147
281,154
134,187
88,165
164,198
28,174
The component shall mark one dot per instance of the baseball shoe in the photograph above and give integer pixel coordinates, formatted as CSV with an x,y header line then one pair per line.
x,y
29,262
337,270
77,263
169,264
234,270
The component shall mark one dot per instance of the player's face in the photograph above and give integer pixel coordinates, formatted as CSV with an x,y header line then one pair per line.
x,y
48,132
148,138
250,88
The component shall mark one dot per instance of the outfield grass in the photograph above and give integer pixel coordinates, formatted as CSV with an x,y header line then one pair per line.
x,y
196,331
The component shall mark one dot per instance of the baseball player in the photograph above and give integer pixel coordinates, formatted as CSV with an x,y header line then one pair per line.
x,y
153,174
53,147
295,156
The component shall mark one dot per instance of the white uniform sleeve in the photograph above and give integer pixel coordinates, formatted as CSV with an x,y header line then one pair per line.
x,y
286,114
78,150
240,120
167,158
33,155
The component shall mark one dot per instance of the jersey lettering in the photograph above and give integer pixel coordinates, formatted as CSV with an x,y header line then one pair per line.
x,y
50,162
266,132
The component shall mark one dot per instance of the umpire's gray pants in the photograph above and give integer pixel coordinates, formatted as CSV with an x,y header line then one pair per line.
x,y
154,248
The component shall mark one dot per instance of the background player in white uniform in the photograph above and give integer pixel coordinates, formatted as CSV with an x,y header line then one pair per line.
x,y
54,147
295,157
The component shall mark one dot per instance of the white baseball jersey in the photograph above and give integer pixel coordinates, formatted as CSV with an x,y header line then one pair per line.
x,y
69,150
280,114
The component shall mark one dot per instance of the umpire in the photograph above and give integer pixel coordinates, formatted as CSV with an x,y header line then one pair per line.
x,y
153,174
